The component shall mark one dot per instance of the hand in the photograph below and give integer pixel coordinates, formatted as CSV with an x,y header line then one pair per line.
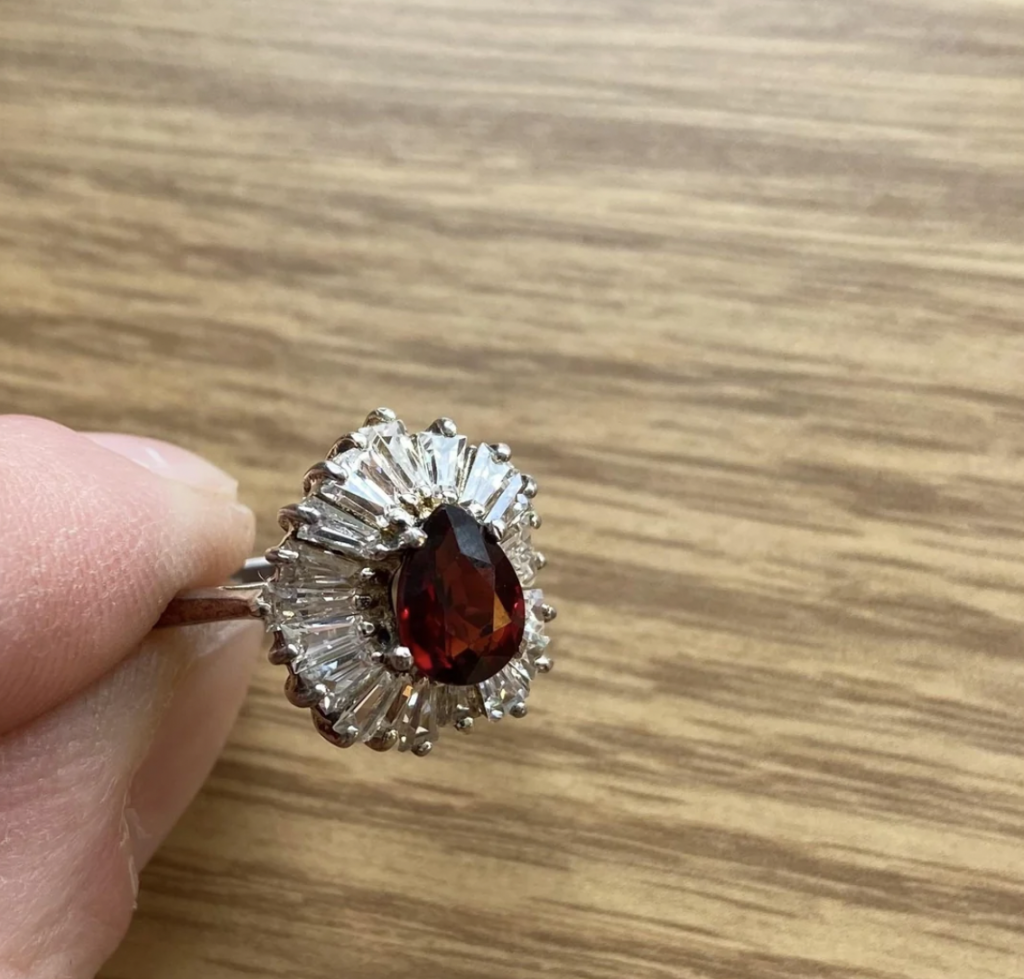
x,y
105,733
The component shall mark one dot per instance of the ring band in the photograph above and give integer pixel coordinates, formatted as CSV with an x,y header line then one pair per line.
x,y
239,598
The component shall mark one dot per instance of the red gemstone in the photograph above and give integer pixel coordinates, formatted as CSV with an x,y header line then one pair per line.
x,y
458,601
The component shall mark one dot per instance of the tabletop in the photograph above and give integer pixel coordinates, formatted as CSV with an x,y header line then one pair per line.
x,y
740,282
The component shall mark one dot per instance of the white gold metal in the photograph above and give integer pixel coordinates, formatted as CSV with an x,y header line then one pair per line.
x,y
443,426
398,659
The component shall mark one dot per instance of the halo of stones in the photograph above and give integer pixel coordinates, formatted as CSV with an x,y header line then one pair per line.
x,y
329,601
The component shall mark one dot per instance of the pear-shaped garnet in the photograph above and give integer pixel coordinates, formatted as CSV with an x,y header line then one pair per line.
x,y
458,601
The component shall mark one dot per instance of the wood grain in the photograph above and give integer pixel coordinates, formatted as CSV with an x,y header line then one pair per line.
x,y
741,281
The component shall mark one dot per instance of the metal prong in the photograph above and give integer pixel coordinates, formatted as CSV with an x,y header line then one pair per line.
x,y
501,452
464,725
548,613
477,510
498,528
539,561
380,416
535,520
294,516
398,520
302,694
530,487
410,502
519,710
282,651
281,555
384,741
424,749
414,538
354,440
367,628
347,736
321,471
544,664
443,426
399,659
344,738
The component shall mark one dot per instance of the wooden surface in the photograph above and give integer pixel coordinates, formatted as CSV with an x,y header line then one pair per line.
x,y
742,282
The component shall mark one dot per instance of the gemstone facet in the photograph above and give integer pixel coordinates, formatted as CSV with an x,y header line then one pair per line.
x,y
458,601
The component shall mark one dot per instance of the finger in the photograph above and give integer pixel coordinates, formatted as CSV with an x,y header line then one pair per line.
x,y
191,735
169,461
98,547
88,791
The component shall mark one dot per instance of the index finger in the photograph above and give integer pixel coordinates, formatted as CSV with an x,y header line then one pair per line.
x,y
93,548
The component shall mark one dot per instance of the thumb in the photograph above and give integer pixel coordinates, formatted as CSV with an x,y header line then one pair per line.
x,y
107,739
94,546
88,792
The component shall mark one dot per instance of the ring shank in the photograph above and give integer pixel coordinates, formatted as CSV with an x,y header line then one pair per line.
x,y
234,600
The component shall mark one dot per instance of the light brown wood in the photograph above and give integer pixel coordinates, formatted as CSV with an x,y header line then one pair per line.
x,y
741,282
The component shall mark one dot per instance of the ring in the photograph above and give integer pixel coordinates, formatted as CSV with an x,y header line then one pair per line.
x,y
402,597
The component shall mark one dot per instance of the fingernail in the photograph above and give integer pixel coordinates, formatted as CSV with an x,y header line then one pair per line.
x,y
169,461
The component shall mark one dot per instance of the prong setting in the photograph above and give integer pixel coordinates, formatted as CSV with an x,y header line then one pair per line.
x,y
353,440
398,659
399,520
384,741
443,426
282,651
497,529
339,586
344,738
301,693
380,416
281,555
414,538
323,470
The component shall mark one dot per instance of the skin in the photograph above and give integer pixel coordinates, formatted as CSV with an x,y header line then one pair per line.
x,y
106,731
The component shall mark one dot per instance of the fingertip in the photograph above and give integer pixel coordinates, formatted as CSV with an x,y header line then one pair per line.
x,y
169,461
109,529
212,535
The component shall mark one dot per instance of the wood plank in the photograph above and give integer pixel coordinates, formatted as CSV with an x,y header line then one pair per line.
x,y
741,283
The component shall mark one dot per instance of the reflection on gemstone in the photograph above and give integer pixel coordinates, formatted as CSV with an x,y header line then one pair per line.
x,y
459,604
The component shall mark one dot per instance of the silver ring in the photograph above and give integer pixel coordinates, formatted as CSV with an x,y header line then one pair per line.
x,y
402,598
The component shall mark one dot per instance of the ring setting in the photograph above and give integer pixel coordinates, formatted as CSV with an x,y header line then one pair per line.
x,y
403,597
